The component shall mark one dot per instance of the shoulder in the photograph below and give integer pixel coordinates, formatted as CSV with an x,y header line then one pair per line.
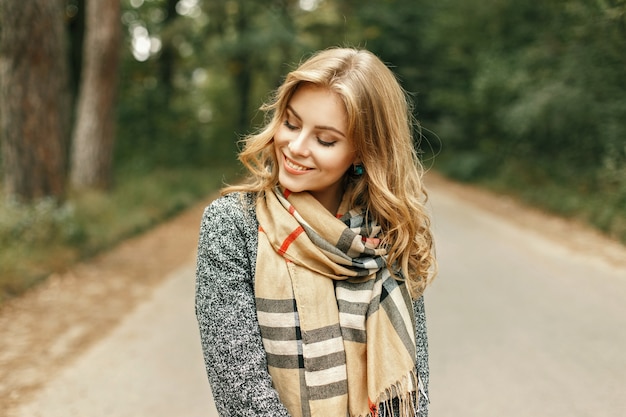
x,y
238,203
238,207
230,220
228,239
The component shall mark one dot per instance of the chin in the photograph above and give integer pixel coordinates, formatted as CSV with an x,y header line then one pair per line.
x,y
290,185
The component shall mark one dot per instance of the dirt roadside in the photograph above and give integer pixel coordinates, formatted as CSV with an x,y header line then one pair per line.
x,y
48,327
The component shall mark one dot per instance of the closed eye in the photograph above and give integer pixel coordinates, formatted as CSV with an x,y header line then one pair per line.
x,y
289,125
324,143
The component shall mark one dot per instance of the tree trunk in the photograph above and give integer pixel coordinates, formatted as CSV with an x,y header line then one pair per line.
x,y
242,64
34,111
94,132
167,60
75,34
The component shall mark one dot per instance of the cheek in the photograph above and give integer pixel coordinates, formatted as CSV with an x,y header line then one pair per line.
x,y
282,136
339,163
280,142
278,139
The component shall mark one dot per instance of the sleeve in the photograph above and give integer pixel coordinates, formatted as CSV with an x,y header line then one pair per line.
x,y
421,339
225,308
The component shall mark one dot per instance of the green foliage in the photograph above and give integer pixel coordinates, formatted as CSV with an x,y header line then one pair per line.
x,y
222,59
173,110
526,97
35,239
531,97
38,239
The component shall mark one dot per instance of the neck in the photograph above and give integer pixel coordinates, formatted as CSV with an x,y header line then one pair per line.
x,y
331,201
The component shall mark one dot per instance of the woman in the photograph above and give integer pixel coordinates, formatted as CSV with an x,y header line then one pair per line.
x,y
311,273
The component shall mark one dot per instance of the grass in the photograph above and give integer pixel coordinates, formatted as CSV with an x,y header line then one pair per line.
x,y
46,237
604,210
602,206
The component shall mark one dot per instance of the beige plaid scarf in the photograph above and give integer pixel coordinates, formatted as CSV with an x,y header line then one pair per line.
x,y
337,328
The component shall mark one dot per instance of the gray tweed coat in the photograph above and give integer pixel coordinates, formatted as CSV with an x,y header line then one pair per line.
x,y
225,309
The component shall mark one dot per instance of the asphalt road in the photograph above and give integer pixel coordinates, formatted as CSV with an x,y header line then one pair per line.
x,y
149,366
518,326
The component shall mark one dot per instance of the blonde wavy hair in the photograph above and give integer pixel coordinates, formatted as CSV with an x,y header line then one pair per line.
x,y
380,125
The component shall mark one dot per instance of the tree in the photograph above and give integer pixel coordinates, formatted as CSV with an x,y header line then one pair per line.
x,y
75,15
253,41
94,133
167,59
34,110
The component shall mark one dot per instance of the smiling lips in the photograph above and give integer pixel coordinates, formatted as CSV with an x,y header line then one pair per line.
x,y
294,167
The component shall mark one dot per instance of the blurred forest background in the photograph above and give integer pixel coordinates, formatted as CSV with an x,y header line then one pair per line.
x,y
117,114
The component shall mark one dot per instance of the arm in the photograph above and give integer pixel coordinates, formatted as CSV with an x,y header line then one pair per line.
x,y
421,339
225,308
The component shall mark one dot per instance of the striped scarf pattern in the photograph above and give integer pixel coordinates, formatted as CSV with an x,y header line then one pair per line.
x,y
337,328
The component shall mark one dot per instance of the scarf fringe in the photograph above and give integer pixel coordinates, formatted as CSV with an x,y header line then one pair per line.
x,y
403,392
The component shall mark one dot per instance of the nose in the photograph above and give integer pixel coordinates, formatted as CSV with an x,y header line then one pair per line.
x,y
299,144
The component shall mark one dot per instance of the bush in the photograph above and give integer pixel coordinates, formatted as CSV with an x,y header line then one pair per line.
x,y
48,236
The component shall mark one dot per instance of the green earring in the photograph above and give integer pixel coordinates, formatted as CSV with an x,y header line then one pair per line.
x,y
359,170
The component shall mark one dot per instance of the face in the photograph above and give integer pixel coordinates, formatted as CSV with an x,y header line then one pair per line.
x,y
311,146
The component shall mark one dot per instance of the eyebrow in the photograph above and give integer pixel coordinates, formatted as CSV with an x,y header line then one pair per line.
x,y
295,113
